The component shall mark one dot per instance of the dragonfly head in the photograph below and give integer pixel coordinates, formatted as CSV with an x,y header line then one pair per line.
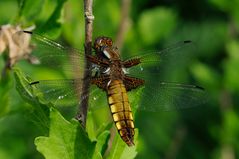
x,y
102,42
104,48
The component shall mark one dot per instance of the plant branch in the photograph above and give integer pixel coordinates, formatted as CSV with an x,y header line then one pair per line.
x,y
83,105
176,144
124,22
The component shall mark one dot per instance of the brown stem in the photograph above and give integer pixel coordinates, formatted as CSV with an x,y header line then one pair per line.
x,y
6,68
124,22
176,143
83,106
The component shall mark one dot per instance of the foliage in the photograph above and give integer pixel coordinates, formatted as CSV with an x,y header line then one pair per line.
x,y
66,140
207,131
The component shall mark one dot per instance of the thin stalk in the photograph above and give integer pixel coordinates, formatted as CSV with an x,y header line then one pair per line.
x,y
83,105
124,22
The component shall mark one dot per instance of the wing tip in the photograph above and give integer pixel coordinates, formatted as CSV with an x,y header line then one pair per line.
x,y
29,32
130,143
199,87
35,82
187,41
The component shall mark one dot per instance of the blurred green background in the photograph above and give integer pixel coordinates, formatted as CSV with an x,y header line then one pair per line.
x,y
207,131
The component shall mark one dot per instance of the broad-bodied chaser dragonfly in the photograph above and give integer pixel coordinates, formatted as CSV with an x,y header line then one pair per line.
x,y
112,75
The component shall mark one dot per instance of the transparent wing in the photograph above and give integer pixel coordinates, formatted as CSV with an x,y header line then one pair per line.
x,y
170,96
54,55
65,92
164,96
154,62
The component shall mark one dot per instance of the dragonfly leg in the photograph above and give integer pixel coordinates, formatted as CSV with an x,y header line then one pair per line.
x,y
98,61
132,82
131,62
101,81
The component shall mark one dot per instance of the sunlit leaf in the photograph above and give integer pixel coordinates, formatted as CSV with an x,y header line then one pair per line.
x,y
67,140
156,24
22,83
101,135
52,27
120,150
30,9
5,85
102,144
230,66
61,131
206,75
230,131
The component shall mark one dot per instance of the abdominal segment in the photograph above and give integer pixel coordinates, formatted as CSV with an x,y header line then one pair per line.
x,y
121,111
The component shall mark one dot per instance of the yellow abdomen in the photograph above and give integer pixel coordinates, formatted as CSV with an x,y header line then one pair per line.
x,y
121,111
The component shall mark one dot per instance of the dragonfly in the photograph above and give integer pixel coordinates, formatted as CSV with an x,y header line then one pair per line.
x,y
116,77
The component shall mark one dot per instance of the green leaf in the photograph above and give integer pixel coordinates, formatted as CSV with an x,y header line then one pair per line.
x,y
206,75
41,111
30,9
73,29
5,85
90,126
102,141
230,66
67,140
156,24
120,150
5,15
102,144
27,92
101,135
22,83
53,25
230,131
135,98
70,136
230,7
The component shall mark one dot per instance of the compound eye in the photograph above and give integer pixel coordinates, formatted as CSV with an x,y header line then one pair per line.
x,y
96,46
109,42
98,43
102,42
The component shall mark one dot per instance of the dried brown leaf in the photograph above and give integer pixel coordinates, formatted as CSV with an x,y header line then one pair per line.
x,y
16,45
